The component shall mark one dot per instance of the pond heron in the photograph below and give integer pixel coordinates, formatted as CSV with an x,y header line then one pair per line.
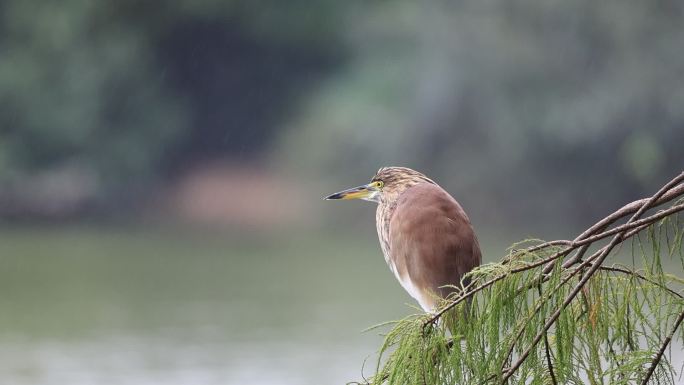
x,y
425,236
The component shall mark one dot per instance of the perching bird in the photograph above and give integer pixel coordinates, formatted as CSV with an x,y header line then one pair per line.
x,y
426,237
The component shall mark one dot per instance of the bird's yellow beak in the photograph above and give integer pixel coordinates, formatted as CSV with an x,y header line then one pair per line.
x,y
366,192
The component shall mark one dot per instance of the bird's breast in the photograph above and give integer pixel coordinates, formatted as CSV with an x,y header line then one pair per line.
x,y
382,220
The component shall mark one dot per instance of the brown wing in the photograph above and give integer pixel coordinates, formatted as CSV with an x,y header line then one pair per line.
x,y
432,242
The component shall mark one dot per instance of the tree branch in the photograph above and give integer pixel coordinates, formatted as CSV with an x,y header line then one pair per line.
x,y
599,260
663,346
641,277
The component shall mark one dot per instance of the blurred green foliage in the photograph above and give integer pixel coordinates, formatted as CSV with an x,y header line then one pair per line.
x,y
534,102
79,86
126,91
553,108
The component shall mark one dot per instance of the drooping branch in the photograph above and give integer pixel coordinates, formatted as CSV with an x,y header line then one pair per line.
x,y
641,277
599,260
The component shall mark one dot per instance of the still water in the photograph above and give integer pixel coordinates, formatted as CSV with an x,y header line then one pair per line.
x,y
85,306
100,306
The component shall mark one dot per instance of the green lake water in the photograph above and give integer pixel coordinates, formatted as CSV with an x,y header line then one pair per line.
x,y
141,306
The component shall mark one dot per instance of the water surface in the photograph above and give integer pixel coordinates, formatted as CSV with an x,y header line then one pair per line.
x,y
142,306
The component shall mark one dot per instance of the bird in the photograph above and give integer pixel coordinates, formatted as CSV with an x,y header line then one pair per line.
x,y
425,235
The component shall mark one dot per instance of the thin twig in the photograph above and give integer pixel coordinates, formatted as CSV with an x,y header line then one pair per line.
x,y
546,347
559,242
548,359
486,380
642,277
663,346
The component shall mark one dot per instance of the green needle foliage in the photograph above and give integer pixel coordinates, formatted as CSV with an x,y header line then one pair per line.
x,y
562,312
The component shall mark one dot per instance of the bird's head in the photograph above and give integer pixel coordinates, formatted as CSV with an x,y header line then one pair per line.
x,y
385,187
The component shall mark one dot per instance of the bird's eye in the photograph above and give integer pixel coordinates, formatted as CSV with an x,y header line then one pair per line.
x,y
378,183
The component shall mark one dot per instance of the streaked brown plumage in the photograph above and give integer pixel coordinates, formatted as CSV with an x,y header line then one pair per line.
x,y
425,236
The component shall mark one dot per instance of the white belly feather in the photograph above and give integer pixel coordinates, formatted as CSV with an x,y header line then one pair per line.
x,y
410,288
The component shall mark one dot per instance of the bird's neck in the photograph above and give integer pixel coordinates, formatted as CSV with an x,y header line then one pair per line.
x,y
383,215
